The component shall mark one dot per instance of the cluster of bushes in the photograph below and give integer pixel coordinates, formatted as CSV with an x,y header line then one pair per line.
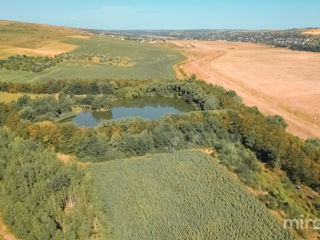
x,y
52,108
70,87
97,102
42,198
100,58
38,64
28,63
43,108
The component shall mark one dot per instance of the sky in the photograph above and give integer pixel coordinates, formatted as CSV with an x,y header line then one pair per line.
x,y
166,14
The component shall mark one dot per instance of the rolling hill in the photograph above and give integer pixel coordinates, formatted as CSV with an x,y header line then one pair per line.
x,y
147,61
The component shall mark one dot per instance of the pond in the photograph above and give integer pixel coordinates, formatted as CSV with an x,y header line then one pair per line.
x,y
150,108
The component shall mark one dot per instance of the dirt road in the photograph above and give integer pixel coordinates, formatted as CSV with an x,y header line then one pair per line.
x,y
277,81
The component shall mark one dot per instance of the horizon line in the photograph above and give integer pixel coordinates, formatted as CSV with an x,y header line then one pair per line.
x,y
162,29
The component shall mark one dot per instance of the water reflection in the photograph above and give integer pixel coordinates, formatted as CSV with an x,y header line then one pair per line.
x,y
150,108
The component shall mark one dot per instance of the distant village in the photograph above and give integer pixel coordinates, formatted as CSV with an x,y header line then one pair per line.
x,y
290,38
294,39
133,36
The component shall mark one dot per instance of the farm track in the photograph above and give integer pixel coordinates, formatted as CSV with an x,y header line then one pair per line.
x,y
236,67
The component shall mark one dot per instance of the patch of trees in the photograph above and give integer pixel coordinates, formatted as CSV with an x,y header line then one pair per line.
x,y
68,86
54,107
43,108
98,58
97,102
38,64
221,117
42,198
28,63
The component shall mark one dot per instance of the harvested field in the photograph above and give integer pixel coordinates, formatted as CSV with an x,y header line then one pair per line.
x,y
315,31
50,49
277,81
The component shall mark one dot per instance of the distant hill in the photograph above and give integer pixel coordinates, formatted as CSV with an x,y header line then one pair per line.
x,y
295,39
35,39
78,54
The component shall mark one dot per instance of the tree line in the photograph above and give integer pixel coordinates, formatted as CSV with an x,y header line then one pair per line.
x,y
265,136
39,63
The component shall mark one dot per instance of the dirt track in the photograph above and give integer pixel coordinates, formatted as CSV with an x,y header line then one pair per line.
x,y
277,81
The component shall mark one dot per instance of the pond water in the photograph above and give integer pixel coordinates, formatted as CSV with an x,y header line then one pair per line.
x,y
150,108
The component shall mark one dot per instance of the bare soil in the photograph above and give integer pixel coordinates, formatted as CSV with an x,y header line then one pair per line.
x,y
315,31
277,81
5,233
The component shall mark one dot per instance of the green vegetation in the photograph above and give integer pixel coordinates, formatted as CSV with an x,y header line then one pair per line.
x,y
150,62
43,108
231,121
241,137
38,64
29,64
117,60
41,198
149,181
185,195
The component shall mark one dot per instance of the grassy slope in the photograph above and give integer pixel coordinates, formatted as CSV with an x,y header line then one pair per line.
x,y
9,97
185,195
33,39
151,62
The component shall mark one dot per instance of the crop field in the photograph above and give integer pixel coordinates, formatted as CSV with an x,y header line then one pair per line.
x,y
148,61
184,195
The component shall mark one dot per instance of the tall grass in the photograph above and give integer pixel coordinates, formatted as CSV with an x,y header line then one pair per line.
x,y
185,195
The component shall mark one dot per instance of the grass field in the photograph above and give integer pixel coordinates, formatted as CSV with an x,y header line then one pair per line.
x,y
34,39
185,195
150,62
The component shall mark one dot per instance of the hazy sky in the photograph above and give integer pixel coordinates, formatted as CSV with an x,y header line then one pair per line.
x,y
166,14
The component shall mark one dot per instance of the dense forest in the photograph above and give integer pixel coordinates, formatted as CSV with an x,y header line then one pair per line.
x,y
42,198
241,136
